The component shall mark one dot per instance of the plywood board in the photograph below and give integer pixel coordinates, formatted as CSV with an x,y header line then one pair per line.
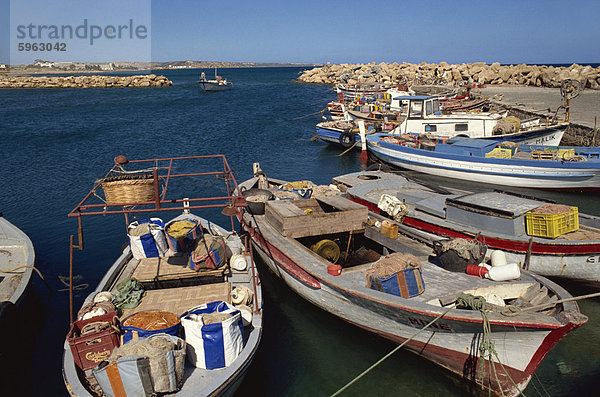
x,y
172,268
179,300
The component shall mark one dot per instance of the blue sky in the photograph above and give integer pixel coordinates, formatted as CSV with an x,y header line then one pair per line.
x,y
455,31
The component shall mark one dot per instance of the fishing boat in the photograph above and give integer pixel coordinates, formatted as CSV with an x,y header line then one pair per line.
x,y
487,161
186,273
16,263
347,133
550,243
216,84
326,247
423,114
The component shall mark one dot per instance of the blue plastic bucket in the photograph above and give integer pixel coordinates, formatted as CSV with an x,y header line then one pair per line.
x,y
186,243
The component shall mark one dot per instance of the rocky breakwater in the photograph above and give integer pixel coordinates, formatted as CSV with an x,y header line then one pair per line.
x,y
476,73
98,81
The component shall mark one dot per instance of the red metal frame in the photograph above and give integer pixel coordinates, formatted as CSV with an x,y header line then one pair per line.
x,y
160,202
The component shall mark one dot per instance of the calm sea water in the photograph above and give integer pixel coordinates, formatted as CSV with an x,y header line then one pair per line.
x,y
54,143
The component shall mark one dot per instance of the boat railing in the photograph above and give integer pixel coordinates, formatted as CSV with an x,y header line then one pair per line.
x,y
163,172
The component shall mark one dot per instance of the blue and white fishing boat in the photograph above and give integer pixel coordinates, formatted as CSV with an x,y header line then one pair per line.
x,y
485,161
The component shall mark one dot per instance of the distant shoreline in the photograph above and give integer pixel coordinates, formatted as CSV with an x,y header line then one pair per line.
x,y
20,70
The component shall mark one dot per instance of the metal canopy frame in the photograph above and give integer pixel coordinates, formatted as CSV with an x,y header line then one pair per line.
x,y
162,170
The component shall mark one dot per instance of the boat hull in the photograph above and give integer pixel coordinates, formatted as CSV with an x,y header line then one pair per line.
x,y
507,172
574,259
450,342
214,86
17,257
222,382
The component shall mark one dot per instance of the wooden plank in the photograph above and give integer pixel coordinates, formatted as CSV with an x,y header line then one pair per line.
x,y
178,300
340,202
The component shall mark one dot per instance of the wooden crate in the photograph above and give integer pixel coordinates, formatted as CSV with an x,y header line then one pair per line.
x,y
313,217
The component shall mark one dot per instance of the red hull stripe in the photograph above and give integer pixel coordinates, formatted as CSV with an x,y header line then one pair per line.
x,y
496,243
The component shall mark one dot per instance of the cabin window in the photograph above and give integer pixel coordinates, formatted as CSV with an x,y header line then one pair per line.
x,y
416,109
430,128
436,106
461,127
428,108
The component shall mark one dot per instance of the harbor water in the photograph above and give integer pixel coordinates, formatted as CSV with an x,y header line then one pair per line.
x,y
54,143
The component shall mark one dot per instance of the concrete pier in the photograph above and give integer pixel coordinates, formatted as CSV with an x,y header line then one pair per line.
x,y
584,110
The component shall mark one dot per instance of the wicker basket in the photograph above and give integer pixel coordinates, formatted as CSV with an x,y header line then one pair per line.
x,y
128,189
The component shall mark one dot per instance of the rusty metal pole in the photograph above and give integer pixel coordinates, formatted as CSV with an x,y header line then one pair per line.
x,y
568,106
156,188
71,246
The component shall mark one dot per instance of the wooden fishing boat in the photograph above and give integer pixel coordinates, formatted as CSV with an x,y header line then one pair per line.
x,y
486,161
424,115
294,238
216,84
563,246
16,262
170,284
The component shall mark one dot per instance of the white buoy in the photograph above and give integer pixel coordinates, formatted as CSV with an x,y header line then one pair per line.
x,y
498,258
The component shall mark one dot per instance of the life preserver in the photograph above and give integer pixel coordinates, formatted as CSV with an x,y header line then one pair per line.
x,y
347,139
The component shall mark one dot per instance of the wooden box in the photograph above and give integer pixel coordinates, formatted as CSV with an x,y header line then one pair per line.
x,y
313,217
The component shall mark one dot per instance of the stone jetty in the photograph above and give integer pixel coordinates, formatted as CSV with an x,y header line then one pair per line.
x,y
97,81
477,73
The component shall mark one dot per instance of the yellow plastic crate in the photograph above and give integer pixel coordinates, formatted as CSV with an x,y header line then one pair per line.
x,y
565,153
500,153
552,225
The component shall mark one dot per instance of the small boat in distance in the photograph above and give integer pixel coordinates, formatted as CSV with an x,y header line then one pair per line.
x,y
217,84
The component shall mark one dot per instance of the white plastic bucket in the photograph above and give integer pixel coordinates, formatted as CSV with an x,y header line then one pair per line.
x,y
498,258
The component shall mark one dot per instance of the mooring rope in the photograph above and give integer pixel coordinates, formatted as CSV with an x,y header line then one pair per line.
x,y
312,114
39,273
390,353
350,148
487,349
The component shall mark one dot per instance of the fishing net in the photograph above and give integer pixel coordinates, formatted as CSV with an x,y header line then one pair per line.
x,y
163,351
549,208
464,248
151,320
180,229
392,264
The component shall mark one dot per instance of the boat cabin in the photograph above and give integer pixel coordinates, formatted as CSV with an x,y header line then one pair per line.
x,y
423,114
